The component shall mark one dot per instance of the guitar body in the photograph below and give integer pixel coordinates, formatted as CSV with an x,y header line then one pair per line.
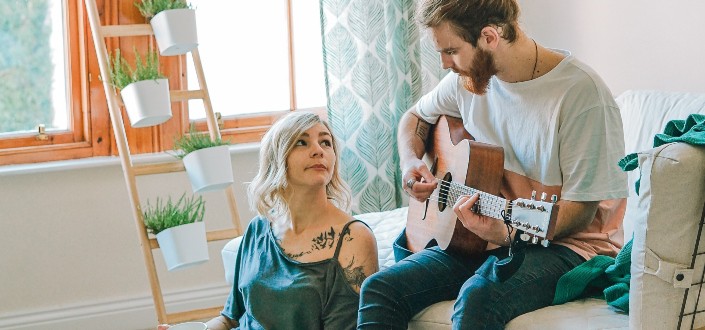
x,y
455,157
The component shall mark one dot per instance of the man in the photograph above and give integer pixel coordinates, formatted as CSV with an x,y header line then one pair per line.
x,y
562,134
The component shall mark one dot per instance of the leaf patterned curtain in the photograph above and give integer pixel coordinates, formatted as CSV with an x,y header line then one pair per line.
x,y
377,66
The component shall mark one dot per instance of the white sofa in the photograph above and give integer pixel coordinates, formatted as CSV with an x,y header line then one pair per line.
x,y
664,218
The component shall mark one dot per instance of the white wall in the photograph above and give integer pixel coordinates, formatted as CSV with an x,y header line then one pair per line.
x,y
632,44
69,252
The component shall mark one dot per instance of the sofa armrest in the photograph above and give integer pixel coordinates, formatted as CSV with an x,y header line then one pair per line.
x,y
666,226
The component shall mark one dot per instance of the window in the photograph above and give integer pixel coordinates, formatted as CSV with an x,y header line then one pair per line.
x,y
248,64
253,71
40,84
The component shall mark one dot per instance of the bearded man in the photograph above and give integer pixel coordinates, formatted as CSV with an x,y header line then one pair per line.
x,y
561,133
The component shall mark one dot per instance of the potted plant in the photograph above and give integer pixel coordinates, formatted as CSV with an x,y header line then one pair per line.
x,y
207,161
179,229
173,23
144,90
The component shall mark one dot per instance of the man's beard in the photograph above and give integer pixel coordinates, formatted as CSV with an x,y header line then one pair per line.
x,y
478,77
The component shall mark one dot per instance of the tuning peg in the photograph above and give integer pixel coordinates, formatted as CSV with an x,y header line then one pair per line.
x,y
554,199
534,240
524,237
544,243
533,195
543,196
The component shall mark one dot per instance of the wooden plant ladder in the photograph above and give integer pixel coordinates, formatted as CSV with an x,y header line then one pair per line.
x,y
131,170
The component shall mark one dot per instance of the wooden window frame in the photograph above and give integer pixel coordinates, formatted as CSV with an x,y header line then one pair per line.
x,y
90,132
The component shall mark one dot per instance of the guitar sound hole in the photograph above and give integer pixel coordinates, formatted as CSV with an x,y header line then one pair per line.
x,y
443,192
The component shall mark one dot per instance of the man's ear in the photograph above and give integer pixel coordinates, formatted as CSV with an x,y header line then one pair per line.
x,y
489,36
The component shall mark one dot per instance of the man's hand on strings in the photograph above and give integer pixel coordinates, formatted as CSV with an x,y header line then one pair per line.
x,y
418,181
488,228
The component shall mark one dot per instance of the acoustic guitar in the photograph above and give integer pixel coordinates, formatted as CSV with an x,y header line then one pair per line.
x,y
465,167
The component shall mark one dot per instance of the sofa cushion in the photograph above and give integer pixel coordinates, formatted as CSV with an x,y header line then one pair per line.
x,y
581,314
646,113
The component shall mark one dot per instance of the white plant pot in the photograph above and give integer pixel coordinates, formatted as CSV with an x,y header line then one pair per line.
x,y
209,169
184,246
147,102
175,31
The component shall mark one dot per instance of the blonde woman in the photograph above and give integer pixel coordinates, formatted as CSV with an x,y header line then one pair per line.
x,y
302,260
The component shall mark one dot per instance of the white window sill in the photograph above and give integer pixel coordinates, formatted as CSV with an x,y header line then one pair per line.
x,y
95,162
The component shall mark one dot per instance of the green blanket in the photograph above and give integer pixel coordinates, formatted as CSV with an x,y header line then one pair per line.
x,y
601,277
691,130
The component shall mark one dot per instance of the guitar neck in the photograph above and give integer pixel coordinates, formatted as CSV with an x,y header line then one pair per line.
x,y
489,205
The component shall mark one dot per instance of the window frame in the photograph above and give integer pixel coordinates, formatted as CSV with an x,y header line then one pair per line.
x,y
60,144
90,131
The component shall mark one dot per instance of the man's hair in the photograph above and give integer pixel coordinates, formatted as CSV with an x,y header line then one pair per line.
x,y
266,191
468,17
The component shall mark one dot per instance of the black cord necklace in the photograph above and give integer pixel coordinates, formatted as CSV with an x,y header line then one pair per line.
x,y
536,58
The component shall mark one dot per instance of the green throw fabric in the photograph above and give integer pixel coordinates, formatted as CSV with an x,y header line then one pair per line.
x,y
601,277
691,130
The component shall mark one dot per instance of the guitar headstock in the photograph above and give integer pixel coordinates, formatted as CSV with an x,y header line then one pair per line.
x,y
536,218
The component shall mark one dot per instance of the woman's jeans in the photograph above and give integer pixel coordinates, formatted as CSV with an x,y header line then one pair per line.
x,y
391,297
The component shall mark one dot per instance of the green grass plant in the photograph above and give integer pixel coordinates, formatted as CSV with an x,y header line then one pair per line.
x,y
121,74
167,214
193,141
150,8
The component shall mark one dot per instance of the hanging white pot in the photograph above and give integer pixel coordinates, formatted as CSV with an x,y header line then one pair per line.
x,y
147,102
175,31
209,168
184,246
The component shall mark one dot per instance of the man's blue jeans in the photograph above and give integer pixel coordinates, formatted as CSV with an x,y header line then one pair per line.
x,y
391,297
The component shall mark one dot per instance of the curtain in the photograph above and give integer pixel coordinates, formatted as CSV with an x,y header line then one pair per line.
x,y
377,65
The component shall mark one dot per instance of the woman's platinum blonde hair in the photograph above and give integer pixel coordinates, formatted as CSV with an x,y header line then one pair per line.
x,y
266,191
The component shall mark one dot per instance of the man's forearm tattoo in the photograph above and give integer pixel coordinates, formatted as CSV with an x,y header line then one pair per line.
x,y
354,275
422,129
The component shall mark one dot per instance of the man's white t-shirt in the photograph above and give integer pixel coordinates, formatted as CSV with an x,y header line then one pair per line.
x,y
561,133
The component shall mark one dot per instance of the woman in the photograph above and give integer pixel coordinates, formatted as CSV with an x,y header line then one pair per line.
x,y
302,260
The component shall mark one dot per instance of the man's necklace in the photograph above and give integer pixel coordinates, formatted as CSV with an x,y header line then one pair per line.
x,y
536,58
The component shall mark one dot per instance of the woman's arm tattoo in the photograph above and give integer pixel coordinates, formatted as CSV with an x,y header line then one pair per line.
x,y
354,275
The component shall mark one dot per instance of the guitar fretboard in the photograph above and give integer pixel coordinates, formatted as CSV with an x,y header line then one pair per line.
x,y
489,205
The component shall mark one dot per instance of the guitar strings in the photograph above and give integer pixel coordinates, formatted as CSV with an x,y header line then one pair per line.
x,y
451,191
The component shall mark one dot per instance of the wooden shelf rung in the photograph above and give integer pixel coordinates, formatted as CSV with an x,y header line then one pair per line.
x,y
219,235
196,314
126,30
176,96
158,168
185,95
215,235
